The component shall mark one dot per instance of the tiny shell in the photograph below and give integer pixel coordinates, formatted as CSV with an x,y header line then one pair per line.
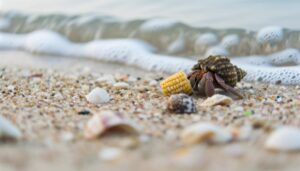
x,y
284,139
181,103
217,99
205,132
98,95
8,130
105,120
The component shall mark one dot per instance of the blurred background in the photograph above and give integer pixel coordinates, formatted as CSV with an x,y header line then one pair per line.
x,y
247,14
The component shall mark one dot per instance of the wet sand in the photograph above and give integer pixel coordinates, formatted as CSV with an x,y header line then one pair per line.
x,y
43,100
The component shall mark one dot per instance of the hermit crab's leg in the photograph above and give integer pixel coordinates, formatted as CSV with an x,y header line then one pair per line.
x,y
194,81
226,87
209,84
201,86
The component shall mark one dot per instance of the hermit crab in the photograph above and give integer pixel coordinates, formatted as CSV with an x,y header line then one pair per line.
x,y
215,72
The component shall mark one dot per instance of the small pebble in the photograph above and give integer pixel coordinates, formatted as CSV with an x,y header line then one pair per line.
x,y
121,85
84,112
279,99
98,96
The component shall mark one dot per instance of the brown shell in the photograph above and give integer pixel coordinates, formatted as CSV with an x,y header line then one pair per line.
x,y
222,66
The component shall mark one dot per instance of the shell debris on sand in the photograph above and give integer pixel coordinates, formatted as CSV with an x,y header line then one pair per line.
x,y
98,96
217,99
106,120
284,139
8,130
205,132
181,103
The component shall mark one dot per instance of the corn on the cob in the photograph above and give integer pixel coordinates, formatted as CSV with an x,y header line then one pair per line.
x,y
177,83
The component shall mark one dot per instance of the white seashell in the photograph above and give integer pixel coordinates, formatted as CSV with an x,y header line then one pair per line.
x,y
110,154
107,79
217,99
8,130
97,96
121,85
105,120
284,139
205,132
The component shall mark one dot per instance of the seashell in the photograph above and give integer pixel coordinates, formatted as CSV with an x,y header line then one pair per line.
x,y
181,103
8,130
284,139
217,99
205,132
106,120
121,85
222,66
177,83
97,96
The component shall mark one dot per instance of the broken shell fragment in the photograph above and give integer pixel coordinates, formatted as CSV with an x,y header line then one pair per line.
x,y
177,83
105,121
181,103
205,132
217,99
8,130
284,139
97,96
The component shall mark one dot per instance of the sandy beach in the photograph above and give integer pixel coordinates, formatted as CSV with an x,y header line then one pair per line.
x,y
43,99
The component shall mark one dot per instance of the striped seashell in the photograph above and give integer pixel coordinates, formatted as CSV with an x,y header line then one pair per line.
x,y
222,66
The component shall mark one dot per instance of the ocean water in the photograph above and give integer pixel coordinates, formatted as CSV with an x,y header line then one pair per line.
x,y
262,37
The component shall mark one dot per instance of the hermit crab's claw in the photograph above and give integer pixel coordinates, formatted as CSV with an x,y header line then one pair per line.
x,y
209,84
226,87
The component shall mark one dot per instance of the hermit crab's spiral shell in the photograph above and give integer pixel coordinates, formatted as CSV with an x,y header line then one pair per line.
x,y
221,65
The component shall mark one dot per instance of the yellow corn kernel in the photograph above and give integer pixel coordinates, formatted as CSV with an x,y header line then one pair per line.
x,y
177,83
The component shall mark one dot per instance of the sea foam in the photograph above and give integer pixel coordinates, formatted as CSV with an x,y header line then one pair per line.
x,y
279,68
126,51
